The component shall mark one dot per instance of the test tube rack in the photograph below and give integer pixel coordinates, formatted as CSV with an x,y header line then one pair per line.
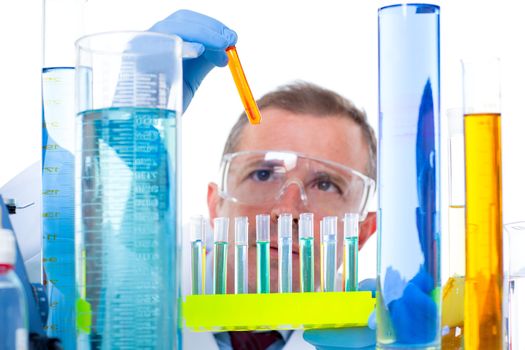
x,y
284,311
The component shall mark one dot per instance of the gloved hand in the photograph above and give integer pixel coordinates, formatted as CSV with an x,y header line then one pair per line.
x,y
414,315
214,37
345,338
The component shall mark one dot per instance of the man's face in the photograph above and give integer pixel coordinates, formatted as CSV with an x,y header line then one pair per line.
x,y
332,138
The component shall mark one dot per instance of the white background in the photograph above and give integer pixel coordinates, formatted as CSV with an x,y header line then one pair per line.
x,y
332,43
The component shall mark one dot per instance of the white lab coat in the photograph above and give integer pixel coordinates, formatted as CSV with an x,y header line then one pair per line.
x,y
205,340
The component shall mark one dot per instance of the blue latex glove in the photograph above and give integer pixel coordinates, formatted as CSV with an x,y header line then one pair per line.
x,y
214,37
414,315
344,338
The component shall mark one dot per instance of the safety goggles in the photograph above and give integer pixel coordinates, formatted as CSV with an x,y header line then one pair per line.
x,y
262,177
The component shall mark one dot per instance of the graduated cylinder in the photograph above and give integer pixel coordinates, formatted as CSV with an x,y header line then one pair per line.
x,y
408,308
484,230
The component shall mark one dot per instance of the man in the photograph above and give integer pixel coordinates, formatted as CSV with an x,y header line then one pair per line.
x,y
314,151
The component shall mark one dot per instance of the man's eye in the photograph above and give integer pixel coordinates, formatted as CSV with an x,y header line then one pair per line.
x,y
327,186
261,175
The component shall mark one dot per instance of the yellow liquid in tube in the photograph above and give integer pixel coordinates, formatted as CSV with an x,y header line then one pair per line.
x,y
484,258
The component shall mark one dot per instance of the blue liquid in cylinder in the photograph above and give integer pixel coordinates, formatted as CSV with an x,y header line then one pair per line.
x,y
126,252
58,246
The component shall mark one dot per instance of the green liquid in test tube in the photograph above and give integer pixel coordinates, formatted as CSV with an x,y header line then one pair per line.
x,y
241,255
198,255
329,253
284,227
306,251
262,222
351,245
220,257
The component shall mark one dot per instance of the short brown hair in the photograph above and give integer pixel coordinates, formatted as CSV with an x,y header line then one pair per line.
x,y
307,98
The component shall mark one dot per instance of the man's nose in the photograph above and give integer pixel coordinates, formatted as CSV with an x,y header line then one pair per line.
x,y
291,199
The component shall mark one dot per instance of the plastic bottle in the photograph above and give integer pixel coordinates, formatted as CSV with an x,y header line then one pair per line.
x,y
13,308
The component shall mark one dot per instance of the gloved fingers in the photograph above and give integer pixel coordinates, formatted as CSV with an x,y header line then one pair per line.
x,y
218,58
191,50
414,316
341,338
367,285
372,324
423,280
198,67
196,27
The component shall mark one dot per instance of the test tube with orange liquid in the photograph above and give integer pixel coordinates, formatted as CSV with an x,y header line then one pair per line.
x,y
252,111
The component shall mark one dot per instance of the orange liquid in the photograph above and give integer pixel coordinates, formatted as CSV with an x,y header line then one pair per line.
x,y
452,313
250,106
484,258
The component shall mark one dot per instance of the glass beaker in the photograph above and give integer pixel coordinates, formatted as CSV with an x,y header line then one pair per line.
x,y
129,98
408,295
515,261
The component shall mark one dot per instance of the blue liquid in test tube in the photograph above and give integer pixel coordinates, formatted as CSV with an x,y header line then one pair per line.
x,y
350,251
408,305
262,233
284,226
198,255
241,255
220,255
306,252
328,253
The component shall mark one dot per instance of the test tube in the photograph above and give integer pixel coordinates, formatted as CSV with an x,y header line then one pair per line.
x,y
328,253
252,111
483,199
220,254
306,251
351,245
198,255
284,226
262,227
241,255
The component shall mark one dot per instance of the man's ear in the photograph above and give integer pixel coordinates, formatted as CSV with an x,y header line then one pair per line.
x,y
367,228
214,201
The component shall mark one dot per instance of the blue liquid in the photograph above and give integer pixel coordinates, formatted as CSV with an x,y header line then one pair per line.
x,y
263,267
285,266
306,251
58,164
241,269
350,279
329,266
197,267
408,177
126,249
220,266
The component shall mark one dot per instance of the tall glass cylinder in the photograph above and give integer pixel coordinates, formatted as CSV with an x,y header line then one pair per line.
x,y
408,312
58,142
129,94
453,292
484,228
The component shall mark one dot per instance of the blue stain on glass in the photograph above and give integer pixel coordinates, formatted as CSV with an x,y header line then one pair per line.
x,y
426,164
